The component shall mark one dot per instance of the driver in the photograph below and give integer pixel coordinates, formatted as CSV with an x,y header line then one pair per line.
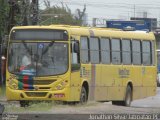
x,y
26,61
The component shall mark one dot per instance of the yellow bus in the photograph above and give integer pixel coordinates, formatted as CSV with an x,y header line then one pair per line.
x,y
76,64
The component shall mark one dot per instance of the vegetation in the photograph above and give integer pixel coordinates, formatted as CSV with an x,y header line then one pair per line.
x,y
20,12
60,15
3,17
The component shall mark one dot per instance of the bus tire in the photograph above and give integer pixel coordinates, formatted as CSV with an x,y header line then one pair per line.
x,y
83,96
127,100
128,97
24,103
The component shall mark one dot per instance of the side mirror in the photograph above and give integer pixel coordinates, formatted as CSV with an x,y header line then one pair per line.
x,y
76,47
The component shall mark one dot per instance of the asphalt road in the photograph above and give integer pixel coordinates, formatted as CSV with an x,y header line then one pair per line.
x,y
150,102
150,105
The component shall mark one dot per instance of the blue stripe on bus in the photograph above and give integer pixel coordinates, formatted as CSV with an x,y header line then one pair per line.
x,y
30,83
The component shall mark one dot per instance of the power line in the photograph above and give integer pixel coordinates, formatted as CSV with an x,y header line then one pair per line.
x,y
123,9
113,5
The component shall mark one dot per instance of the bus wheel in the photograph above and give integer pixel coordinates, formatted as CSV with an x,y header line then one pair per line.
x,y
83,96
24,103
128,97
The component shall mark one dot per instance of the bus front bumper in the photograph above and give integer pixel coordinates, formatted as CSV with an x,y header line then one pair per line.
x,y
61,95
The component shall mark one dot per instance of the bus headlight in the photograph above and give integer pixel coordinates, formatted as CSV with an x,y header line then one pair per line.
x,y
13,85
61,85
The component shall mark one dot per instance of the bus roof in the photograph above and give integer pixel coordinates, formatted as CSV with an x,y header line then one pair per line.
x,y
103,32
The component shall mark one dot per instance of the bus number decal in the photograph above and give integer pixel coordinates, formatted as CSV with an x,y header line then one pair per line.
x,y
85,73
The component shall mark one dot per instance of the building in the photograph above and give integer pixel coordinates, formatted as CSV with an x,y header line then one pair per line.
x,y
145,24
151,22
135,24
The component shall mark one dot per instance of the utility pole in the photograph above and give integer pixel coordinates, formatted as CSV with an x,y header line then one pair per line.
x,y
134,10
3,24
3,5
1,35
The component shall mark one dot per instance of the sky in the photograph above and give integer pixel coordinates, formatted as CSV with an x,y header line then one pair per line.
x,y
113,9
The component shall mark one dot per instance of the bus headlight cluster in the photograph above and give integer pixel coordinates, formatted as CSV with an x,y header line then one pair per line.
x,y
61,85
13,84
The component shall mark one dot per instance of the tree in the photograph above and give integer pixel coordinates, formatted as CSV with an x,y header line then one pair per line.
x,y
80,14
60,15
3,16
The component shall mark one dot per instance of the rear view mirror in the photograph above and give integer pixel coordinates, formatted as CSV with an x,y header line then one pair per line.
x,y
76,47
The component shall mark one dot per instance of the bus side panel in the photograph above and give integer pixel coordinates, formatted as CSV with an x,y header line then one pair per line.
x,y
97,89
149,80
116,91
100,91
136,77
75,87
127,76
86,75
106,80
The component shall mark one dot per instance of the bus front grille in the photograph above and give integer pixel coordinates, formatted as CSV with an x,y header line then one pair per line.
x,y
43,82
36,94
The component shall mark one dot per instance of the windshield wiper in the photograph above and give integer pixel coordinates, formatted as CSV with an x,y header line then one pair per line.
x,y
46,49
26,47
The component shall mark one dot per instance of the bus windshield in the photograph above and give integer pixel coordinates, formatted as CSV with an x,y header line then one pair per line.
x,y
38,59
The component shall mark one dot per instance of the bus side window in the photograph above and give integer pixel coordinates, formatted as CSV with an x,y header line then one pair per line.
x,y
116,51
146,49
126,52
105,51
84,46
94,50
153,52
136,52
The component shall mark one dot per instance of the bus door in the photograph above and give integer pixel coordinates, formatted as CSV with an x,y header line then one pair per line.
x,y
75,71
